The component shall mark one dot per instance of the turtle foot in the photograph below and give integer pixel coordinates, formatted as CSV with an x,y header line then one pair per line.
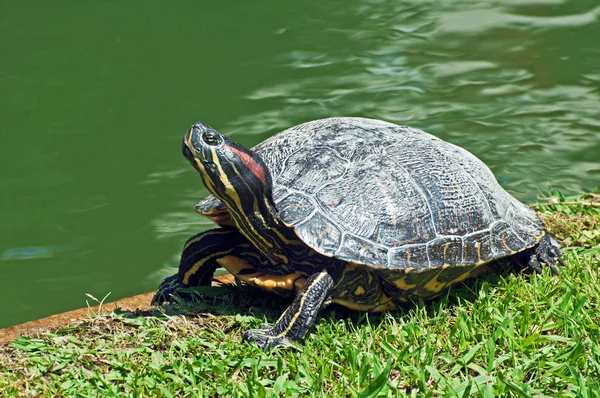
x,y
266,338
547,253
167,290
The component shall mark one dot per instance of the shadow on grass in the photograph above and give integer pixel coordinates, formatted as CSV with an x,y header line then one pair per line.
x,y
226,299
244,299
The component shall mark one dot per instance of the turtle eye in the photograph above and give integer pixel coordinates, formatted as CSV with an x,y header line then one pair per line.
x,y
211,138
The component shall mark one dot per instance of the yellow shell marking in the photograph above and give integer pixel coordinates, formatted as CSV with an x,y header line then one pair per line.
x,y
401,283
359,291
462,277
268,282
478,246
434,285
385,304
506,245
234,265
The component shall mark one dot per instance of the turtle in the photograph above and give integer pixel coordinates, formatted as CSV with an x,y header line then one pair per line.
x,y
354,211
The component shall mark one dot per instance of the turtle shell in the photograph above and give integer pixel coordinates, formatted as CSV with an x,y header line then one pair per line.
x,y
389,196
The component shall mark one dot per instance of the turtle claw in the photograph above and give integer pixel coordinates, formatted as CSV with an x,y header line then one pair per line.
x,y
167,290
534,265
548,253
264,326
266,338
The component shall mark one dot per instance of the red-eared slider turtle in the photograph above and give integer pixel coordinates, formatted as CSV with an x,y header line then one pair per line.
x,y
359,212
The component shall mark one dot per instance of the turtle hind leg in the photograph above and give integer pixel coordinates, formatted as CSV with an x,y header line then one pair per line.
x,y
298,318
546,252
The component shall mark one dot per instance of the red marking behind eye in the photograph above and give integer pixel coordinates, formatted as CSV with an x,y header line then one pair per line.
x,y
254,167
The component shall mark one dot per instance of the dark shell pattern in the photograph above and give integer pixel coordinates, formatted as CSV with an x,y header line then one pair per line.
x,y
389,196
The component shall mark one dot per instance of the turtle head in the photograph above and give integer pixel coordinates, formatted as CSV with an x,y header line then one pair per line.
x,y
231,172
241,181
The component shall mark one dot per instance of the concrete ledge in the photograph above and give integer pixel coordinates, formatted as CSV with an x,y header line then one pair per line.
x,y
53,322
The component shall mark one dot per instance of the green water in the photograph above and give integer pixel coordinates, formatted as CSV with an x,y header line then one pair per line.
x,y
95,97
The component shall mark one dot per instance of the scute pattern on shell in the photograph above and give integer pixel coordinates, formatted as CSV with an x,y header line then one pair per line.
x,y
389,196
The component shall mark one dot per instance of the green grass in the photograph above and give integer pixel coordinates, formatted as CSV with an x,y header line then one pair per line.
x,y
509,335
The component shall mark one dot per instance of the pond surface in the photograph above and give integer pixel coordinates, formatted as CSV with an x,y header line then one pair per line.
x,y
96,95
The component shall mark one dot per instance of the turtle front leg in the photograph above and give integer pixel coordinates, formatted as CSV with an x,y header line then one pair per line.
x,y
199,261
298,318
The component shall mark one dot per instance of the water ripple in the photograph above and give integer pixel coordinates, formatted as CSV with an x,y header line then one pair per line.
x,y
493,78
